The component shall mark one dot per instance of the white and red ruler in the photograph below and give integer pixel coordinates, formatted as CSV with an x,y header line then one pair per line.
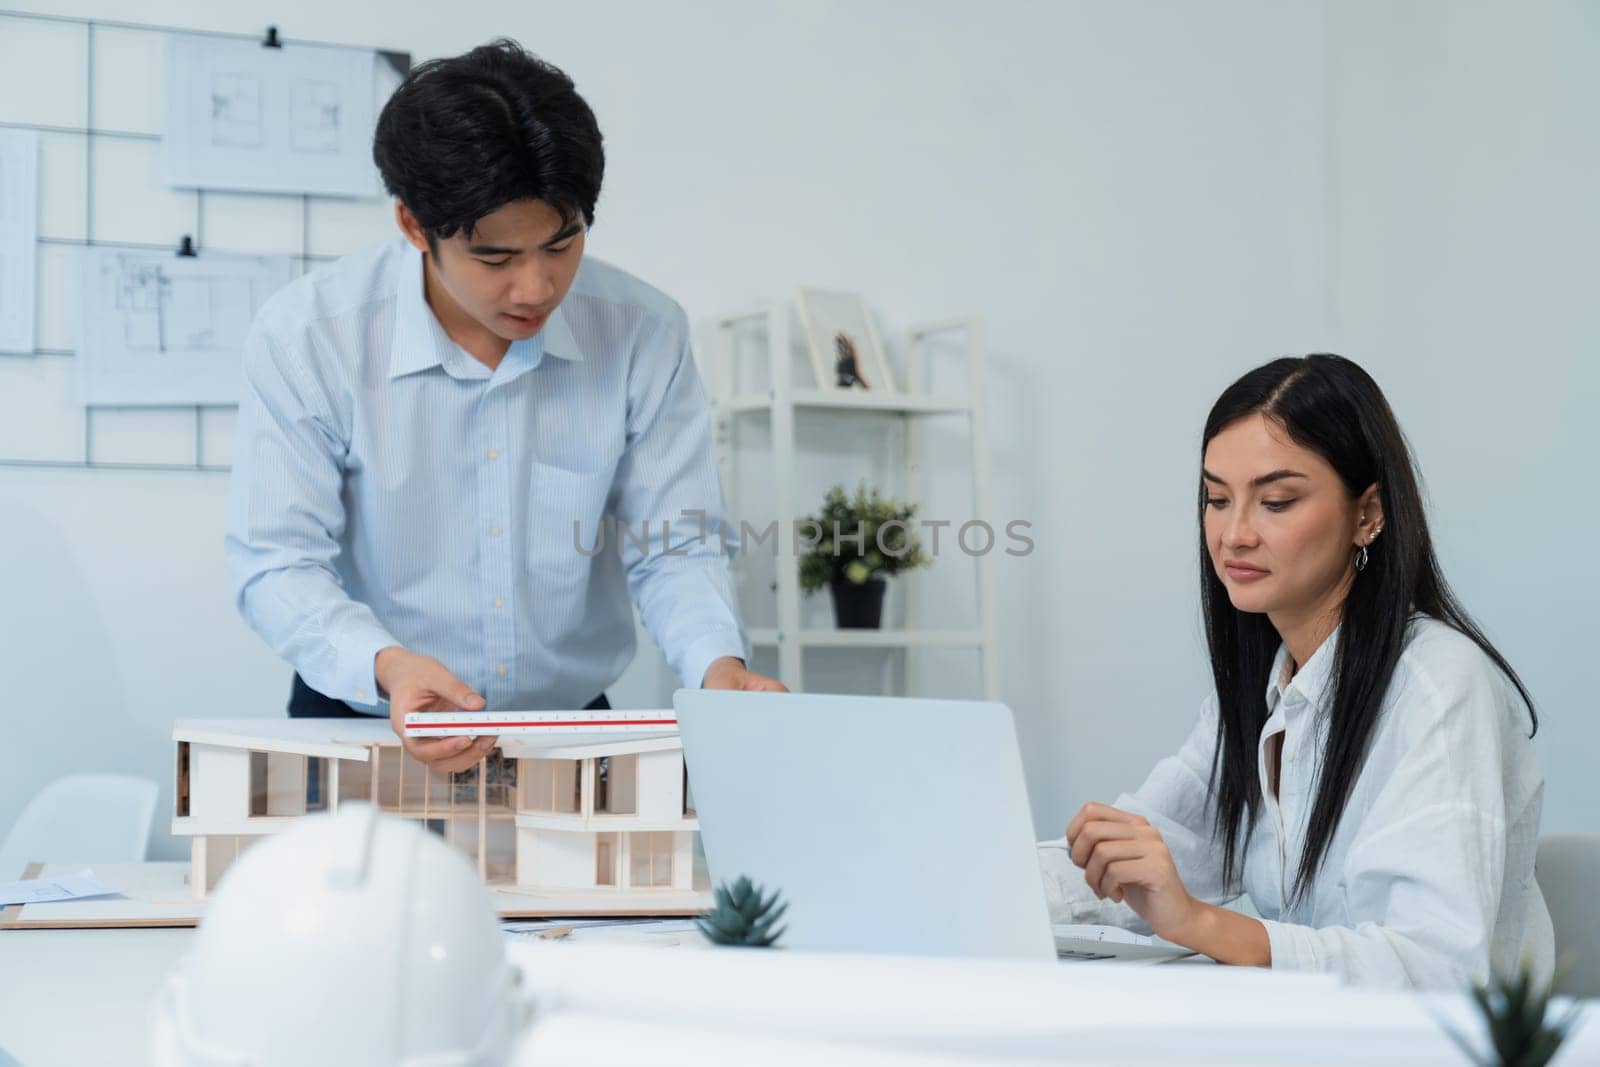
x,y
480,723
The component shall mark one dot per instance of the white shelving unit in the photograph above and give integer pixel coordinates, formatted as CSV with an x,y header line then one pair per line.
x,y
782,402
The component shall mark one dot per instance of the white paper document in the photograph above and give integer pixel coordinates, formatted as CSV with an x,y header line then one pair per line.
x,y
54,888
19,235
1089,941
1094,932
295,119
672,932
163,329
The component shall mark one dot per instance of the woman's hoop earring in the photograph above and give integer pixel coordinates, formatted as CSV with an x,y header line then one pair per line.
x,y
1361,559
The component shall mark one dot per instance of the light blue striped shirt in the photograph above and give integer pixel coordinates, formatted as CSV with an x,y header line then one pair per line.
x,y
389,489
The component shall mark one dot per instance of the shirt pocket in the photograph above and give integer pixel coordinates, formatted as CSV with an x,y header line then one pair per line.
x,y
566,511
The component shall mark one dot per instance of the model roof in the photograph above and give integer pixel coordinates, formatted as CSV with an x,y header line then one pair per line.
x,y
352,738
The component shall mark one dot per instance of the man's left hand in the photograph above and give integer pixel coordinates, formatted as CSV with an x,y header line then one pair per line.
x,y
731,673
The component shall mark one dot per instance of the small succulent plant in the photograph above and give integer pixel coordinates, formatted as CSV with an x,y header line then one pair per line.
x,y
1514,1012
743,916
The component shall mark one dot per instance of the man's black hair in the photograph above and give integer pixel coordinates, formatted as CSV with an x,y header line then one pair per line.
x,y
464,136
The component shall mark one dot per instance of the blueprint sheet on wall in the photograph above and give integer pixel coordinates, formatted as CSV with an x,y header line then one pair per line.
x,y
19,231
160,329
295,119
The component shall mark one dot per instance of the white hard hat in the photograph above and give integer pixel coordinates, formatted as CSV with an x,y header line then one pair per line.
x,y
355,938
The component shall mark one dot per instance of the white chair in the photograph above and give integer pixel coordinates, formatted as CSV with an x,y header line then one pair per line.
x,y
1568,871
82,818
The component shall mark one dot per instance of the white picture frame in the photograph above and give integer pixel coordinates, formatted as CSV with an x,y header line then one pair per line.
x,y
828,315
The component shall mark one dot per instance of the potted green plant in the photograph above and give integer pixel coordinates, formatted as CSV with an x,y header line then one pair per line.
x,y
744,915
1518,1020
856,543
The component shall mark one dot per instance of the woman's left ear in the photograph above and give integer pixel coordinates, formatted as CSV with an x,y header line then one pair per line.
x,y
1370,511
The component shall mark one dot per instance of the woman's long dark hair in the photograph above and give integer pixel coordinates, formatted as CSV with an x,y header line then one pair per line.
x,y
1331,406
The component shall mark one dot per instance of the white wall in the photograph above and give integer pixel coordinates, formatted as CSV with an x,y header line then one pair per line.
x,y
1144,200
1466,262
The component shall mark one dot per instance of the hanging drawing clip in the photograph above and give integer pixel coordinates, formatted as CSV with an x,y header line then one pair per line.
x,y
272,38
186,246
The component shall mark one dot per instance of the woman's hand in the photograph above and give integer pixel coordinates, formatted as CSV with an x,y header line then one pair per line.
x,y
1124,858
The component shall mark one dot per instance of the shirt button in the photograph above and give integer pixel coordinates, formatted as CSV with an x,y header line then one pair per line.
x,y
494,529
361,694
494,453
501,670
499,601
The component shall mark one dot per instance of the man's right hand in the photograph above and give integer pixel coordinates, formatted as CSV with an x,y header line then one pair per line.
x,y
421,683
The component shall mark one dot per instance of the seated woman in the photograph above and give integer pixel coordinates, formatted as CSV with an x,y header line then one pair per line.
x,y
1363,771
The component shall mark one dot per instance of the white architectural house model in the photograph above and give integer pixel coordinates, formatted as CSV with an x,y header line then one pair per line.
x,y
569,824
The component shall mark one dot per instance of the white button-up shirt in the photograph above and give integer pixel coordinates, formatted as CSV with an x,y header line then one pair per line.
x,y
1429,876
389,489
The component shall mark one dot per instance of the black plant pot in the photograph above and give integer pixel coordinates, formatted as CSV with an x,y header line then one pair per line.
x,y
858,607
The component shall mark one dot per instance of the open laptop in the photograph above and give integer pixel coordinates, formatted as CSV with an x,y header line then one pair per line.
x,y
890,825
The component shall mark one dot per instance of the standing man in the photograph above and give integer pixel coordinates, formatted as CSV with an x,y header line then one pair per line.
x,y
433,430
